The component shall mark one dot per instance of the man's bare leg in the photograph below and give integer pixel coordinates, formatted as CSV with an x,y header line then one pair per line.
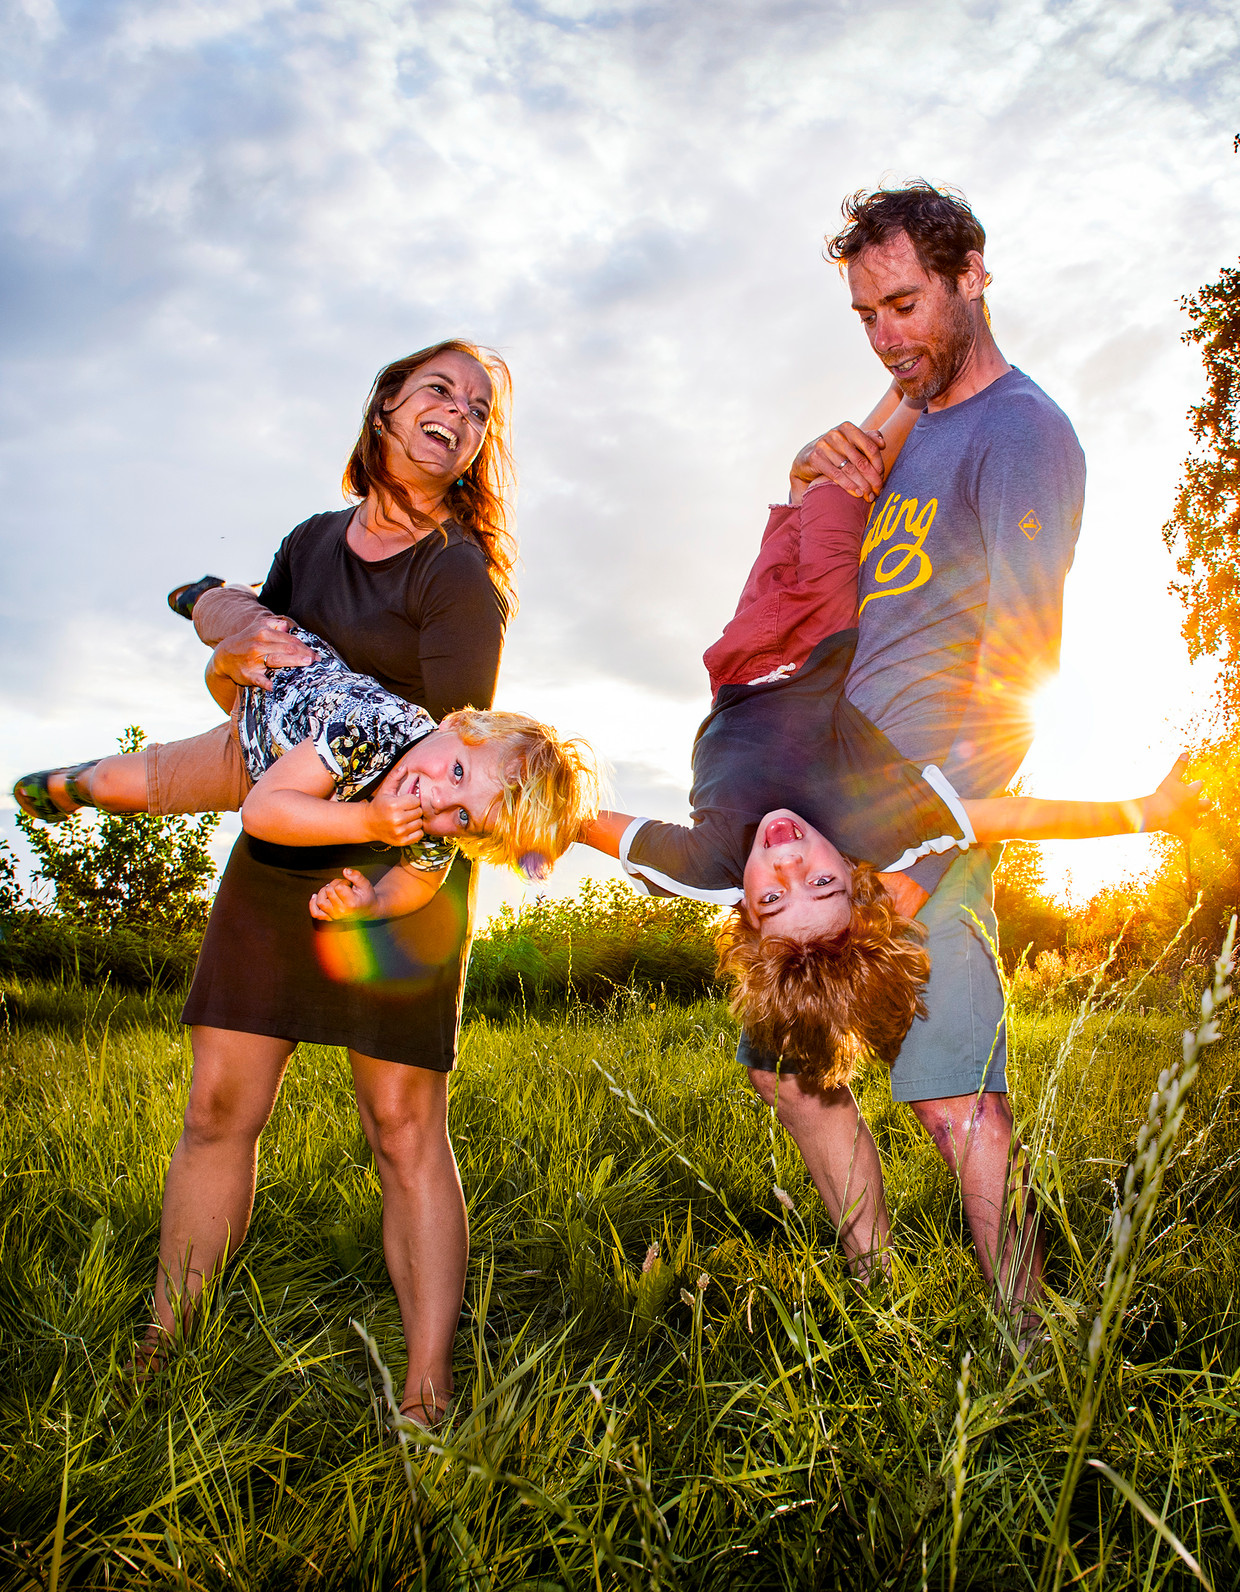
x,y
209,1192
840,1155
975,1136
404,1112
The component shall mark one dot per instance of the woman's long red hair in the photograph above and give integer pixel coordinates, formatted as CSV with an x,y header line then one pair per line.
x,y
481,501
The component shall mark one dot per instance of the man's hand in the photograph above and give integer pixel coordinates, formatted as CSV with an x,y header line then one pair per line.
x,y
846,455
351,897
247,657
906,893
395,817
1177,806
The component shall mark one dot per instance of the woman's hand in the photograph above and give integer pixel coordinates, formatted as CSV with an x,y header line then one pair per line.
x,y
395,818
351,897
1177,806
847,455
247,657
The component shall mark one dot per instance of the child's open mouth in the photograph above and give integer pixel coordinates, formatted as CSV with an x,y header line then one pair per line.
x,y
781,832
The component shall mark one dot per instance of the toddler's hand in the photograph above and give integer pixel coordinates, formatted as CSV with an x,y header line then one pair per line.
x,y
395,818
1177,806
351,897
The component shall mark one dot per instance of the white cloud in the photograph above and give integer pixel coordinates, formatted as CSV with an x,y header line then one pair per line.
x,y
219,219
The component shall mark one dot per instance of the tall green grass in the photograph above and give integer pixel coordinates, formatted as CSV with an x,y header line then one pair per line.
x,y
665,1376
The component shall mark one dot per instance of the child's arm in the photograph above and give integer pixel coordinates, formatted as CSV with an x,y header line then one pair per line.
x,y
401,891
291,805
605,832
1176,806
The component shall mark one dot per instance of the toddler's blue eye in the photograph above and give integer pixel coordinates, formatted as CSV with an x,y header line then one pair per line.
x,y
457,771
462,817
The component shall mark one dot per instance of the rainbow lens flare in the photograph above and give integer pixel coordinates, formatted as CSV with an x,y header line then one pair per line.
x,y
398,955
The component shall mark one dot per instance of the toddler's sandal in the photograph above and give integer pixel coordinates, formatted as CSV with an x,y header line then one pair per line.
x,y
33,797
35,800
181,599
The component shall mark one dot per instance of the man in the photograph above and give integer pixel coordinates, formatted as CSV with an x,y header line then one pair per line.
x,y
961,593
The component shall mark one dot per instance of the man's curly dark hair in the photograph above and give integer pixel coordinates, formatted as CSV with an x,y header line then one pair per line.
x,y
939,224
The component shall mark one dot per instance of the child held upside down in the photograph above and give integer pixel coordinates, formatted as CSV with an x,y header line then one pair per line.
x,y
798,799
335,757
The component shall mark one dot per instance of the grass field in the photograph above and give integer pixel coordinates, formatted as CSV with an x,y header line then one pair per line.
x,y
737,1414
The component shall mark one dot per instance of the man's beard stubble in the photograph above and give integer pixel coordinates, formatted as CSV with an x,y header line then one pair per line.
x,y
945,356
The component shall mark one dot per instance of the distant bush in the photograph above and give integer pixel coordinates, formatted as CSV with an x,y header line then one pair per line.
x,y
130,898
140,871
43,945
590,946
1031,925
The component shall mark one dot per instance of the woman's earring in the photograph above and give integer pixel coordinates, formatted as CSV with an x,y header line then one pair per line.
x,y
460,480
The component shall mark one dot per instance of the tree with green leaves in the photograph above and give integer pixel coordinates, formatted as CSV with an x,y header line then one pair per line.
x,y
141,871
1204,530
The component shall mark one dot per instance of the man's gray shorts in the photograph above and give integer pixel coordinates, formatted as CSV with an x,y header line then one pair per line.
x,y
961,1046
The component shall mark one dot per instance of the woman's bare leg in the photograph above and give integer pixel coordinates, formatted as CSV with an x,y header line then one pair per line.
x,y
404,1112
841,1157
209,1192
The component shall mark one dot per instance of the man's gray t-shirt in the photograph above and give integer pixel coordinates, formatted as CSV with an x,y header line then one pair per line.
x,y
961,592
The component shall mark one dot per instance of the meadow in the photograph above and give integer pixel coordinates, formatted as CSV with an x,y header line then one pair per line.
x,y
665,1376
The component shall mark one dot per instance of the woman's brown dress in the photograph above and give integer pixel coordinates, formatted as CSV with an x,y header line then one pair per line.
x,y
428,623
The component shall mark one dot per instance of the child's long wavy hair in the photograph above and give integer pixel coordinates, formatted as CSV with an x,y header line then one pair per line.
x,y
481,500
826,1003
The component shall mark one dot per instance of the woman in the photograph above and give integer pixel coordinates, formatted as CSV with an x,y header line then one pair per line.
x,y
414,586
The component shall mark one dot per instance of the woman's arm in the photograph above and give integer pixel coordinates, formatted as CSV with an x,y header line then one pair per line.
x,y
291,805
246,639
401,891
1176,807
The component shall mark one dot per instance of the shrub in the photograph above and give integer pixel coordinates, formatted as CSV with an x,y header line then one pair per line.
x,y
42,945
590,946
140,871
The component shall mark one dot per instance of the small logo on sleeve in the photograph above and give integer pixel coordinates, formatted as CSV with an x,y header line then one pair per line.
x,y
1031,525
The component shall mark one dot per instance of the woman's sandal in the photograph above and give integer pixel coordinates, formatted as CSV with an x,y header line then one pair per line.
x,y
35,800
181,599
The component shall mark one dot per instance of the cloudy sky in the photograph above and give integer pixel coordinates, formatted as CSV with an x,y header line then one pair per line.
x,y
220,217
